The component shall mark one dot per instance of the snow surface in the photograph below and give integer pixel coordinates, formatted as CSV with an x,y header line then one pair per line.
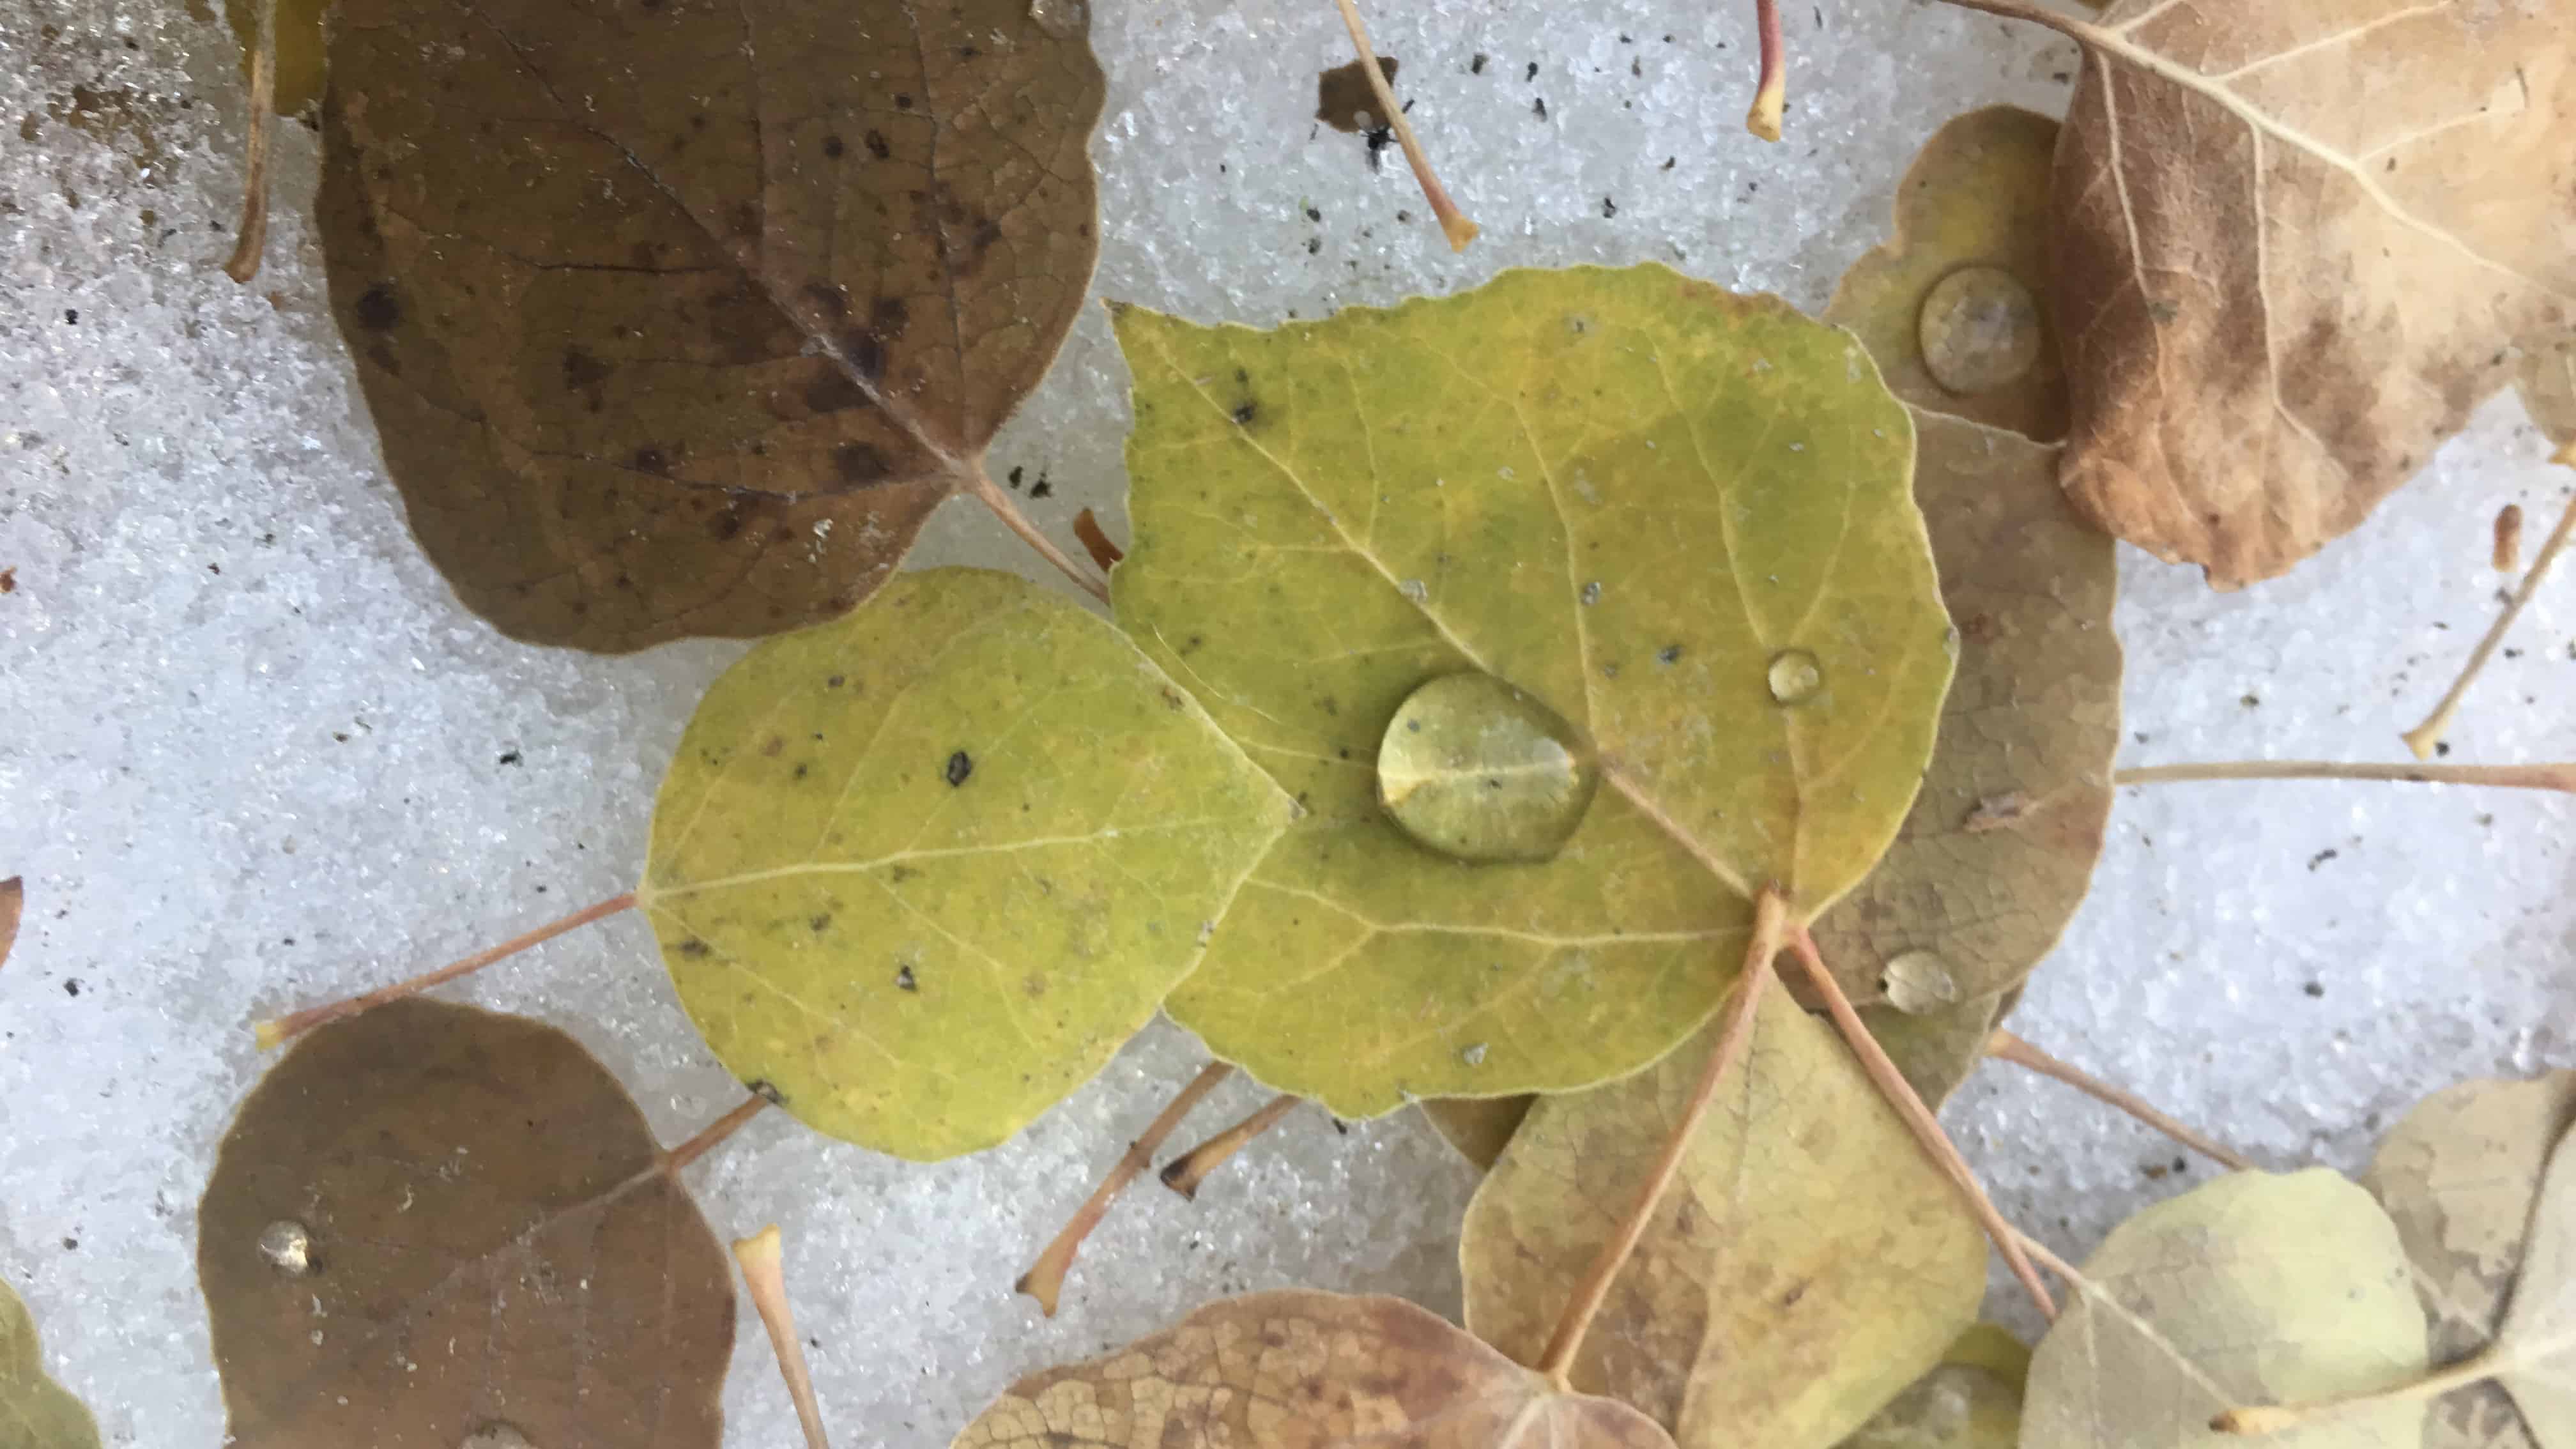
x,y
256,756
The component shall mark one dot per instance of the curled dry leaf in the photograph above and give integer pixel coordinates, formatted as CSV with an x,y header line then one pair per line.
x,y
2253,1289
430,1222
1971,1399
921,870
1769,1302
1955,308
2461,1176
1304,1370
1674,521
680,319
2001,843
35,1412
2297,243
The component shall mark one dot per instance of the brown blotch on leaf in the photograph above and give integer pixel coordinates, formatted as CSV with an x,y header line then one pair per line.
x,y
1345,101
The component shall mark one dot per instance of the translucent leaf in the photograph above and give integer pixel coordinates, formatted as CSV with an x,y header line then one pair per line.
x,y
920,871
1676,518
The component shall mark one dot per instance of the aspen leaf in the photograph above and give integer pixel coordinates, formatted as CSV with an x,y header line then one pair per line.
x,y
299,74
1971,1399
1807,1264
1479,1127
13,904
1955,307
2253,1289
1938,1050
35,1412
920,871
430,1222
1675,520
2548,383
1304,1370
2534,1356
679,319
2297,243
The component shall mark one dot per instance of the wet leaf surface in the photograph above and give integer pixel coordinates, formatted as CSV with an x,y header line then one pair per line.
x,y
923,869
1808,1263
1997,852
1973,205
35,1412
1936,1051
1627,495
1304,1370
429,1222
2298,243
2253,1289
680,319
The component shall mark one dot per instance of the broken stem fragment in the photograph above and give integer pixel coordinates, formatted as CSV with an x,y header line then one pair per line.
x,y
1771,96
1095,540
1045,1279
2004,1046
2519,777
1184,1173
2426,736
981,484
1927,1131
676,1158
252,239
1453,223
1770,921
2274,1418
280,1030
766,1278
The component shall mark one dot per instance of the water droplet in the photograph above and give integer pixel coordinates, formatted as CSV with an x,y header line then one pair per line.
x,y
287,1247
1917,982
1477,770
1795,677
497,1436
1592,592
1063,19
1979,329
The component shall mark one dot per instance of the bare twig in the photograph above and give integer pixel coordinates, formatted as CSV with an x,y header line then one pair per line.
x,y
2004,1046
766,1277
1770,98
1095,541
1453,223
1184,1173
1770,918
2426,736
1900,1094
2519,777
1045,1279
252,239
280,1030
676,1158
981,484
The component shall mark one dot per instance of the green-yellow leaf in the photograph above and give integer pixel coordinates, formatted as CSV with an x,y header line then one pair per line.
x,y
1806,1265
2253,1289
1971,1399
35,1412
920,871
1678,519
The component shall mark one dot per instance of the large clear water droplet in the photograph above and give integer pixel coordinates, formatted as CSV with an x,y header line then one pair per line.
x,y
1795,676
287,1247
1979,329
1917,982
1475,769
1063,19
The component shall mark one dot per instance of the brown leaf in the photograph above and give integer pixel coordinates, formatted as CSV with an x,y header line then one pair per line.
x,y
2548,382
13,903
1974,889
1973,209
1479,1127
1938,1050
2297,243
429,1221
682,322
1304,1370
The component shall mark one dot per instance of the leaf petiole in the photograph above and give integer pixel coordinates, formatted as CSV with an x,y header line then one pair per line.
x,y
981,484
2004,1046
2424,737
765,1276
2275,1418
1453,222
252,239
1184,1173
1045,1279
2560,777
1770,96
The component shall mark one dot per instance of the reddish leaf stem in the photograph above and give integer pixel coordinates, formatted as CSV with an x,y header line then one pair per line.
x,y
2520,777
280,1030
1926,1127
252,239
981,484
1095,540
1045,1279
1771,96
2004,1046
1770,923
765,1275
1184,1173
676,1158
1453,222
2425,737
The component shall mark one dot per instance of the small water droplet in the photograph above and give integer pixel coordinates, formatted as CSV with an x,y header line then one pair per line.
x,y
1592,592
1795,676
1063,19
1473,1056
1979,329
1480,771
1917,982
1416,590
287,1247
497,1436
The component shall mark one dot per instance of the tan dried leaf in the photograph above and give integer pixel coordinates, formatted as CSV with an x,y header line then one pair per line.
x,y
2548,382
680,319
13,904
1304,1370
1938,1050
2297,243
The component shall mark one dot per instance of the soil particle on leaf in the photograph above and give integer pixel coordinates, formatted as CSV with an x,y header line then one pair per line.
x,y
1345,101
960,765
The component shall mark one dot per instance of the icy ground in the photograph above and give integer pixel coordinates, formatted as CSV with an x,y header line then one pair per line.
x,y
252,754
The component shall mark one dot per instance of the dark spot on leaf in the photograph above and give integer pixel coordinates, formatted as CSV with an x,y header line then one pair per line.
x,y
903,102
651,460
831,300
875,141
764,1091
860,464
834,390
1243,415
821,922
833,146
378,309
903,979
887,316
583,370
960,765
693,947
